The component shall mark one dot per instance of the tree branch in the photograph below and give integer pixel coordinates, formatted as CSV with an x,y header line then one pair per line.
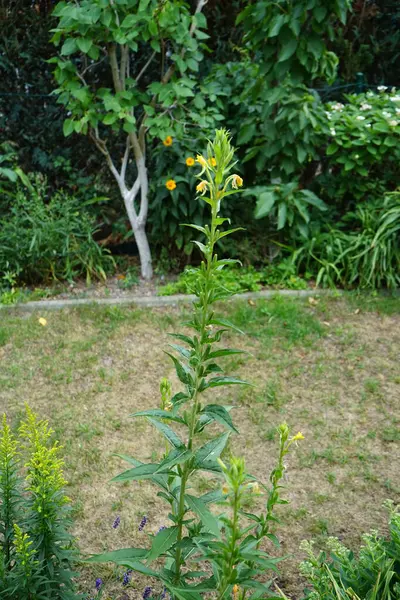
x,y
144,69
112,53
124,64
125,159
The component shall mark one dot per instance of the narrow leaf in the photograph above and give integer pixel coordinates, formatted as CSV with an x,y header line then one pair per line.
x,y
162,542
207,518
168,433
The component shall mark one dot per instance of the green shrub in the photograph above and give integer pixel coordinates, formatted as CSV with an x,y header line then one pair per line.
x,y
339,574
36,550
362,158
367,256
237,280
48,239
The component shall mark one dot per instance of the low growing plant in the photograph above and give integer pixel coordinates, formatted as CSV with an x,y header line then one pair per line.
x,y
339,574
202,552
36,550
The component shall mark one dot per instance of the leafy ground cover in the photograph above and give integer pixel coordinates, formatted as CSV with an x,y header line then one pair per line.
x,y
328,366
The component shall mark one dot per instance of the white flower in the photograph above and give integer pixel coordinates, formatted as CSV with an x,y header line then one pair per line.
x,y
366,106
395,99
338,106
333,131
357,156
360,118
382,88
368,125
387,114
393,123
329,115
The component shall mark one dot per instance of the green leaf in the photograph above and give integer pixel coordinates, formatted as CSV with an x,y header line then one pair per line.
x,y
68,127
332,149
265,204
158,413
246,133
276,25
208,520
225,380
68,47
207,454
183,338
220,414
119,557
144,471
288,49
181,370
282,214
84,44
168,433
162,542
225,323
175,457
225,352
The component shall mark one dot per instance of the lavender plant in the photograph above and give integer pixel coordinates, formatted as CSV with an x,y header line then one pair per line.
x,y
201,552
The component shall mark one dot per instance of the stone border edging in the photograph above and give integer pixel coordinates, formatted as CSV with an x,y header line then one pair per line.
x,y
152,301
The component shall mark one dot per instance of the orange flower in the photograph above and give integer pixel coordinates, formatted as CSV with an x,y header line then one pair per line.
x,y
235,590
168,141
212,162
170,185
190,161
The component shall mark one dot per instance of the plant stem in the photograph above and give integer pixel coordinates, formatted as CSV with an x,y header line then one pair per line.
x,y
204,298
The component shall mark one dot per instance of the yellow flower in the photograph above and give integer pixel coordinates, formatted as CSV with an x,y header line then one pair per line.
x,y
168,141
254,487
202,187
225,488
235,590
170,185
298,436
212,162
201,160
168,407
237,181
190,161
42,322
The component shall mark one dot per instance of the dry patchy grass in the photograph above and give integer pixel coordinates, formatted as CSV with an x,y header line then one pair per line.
x,y
329,369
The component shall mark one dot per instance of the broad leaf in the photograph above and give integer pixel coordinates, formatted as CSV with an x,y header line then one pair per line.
x,y
168,433
162,542
220,413
119,557
207,455
207,518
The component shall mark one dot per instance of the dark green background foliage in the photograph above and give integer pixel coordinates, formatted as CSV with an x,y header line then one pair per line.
x,y
273,74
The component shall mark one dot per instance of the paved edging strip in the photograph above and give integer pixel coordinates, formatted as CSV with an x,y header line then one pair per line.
x,y
152,301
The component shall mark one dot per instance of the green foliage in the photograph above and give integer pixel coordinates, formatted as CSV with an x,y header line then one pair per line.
x,y
239,279
46,239
201,552
339,574
291,38
287,206
363,155
367,256
36,550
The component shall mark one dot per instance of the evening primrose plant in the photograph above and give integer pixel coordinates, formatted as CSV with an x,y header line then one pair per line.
x,y
202,551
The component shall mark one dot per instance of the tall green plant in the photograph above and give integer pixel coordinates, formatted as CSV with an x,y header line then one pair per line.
x,y
229,545
36,550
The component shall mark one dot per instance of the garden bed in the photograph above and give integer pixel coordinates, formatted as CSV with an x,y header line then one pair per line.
x,y
328,367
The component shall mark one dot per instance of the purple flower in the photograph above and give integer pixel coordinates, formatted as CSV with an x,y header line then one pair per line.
x,y
147,593
99,583
127,577
164,592
161,528
117,522
143,524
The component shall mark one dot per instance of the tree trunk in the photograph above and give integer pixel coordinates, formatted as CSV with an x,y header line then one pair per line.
x,y
144,252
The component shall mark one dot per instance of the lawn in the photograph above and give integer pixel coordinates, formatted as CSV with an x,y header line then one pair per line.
x,y
328,367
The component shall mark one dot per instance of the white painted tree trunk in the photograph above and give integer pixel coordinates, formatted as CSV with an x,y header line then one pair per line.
x,y
144,252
